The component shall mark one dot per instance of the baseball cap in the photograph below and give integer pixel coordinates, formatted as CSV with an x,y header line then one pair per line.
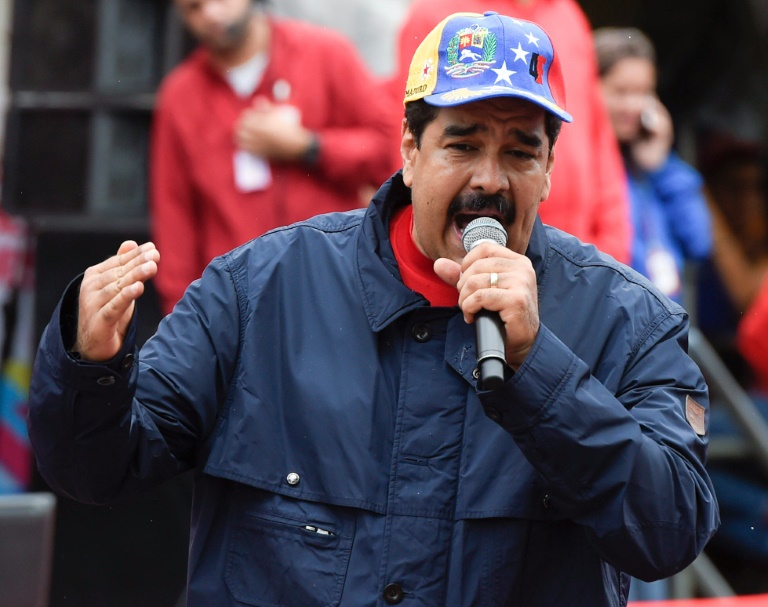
x,y
469,57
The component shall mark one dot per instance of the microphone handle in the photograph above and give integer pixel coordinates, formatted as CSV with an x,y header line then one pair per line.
x,y
490,349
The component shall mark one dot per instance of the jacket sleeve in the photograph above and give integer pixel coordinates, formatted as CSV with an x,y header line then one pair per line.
x,y
103,431
173,207
679,187
629,467
356,144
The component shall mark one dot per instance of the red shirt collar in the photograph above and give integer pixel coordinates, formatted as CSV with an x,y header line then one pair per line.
x,y
415,267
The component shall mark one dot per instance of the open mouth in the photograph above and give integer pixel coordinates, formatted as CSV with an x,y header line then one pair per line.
x,y
462,219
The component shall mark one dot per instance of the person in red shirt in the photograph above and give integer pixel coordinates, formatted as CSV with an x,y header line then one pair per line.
x,y
589,193
261,126
752,336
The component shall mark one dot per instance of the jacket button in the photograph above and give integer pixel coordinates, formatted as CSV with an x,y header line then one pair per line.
x,y
293,479
494,414
127,362
421,333
107,380
546,502
393,594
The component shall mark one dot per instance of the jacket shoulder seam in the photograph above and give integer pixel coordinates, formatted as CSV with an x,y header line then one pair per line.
x,y
666,309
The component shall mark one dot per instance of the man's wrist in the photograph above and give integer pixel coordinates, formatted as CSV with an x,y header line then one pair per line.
x,y
311,155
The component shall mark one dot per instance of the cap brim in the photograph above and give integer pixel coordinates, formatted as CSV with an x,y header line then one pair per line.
x,y
477,93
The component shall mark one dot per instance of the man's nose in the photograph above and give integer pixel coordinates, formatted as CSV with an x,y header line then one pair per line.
x,y
489,176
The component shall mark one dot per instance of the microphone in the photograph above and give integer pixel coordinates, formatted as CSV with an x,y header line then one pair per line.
x,y
491,356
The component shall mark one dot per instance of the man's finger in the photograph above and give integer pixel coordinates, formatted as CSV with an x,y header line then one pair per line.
x,y
128,282
108,279
128,253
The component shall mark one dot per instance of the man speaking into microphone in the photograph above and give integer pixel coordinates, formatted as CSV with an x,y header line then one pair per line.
x,y
325,380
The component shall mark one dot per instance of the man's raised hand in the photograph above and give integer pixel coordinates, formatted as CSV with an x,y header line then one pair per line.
x,y
107,295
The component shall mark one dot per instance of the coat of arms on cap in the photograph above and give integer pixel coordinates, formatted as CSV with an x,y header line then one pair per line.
x,y
471,51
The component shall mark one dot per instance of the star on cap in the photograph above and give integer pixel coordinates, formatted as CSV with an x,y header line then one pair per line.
x,y
532,39
426,71
503,73
520,54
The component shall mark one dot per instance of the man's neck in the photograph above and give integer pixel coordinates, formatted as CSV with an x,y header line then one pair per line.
x,y
256,41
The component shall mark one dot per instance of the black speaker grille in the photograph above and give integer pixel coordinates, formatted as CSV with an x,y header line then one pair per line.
x,y
54,43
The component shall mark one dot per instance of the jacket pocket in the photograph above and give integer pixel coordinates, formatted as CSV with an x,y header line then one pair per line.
x,y
283,552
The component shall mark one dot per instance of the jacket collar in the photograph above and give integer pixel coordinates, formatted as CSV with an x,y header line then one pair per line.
x,y
385,297
538,249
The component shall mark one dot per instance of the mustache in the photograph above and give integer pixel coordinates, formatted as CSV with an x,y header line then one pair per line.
x,y
478,203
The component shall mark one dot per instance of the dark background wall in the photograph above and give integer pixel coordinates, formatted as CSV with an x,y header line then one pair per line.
x,y
82,79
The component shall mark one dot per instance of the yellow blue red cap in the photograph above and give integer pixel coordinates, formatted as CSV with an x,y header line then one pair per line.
x,y
469,57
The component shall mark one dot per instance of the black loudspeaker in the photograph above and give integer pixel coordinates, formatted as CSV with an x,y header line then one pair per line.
x,y
76,162
46,161
53,45
83,75
133,552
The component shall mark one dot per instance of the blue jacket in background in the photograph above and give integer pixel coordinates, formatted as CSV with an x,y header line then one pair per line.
x,y
344,455
669,213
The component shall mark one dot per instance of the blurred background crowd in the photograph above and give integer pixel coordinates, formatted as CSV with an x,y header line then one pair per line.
x,y
664,168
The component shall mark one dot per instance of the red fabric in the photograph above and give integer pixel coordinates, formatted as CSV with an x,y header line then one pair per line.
x,y
15,453
416,269
752,336
197,212
588,197
14,250
17,286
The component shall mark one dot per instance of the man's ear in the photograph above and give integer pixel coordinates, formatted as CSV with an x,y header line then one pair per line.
x,y
408,151
548,184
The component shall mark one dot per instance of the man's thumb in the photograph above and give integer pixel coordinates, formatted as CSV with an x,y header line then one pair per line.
x,y
448,270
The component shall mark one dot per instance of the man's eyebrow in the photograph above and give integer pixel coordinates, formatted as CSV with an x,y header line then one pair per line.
x,y
456,130
529,139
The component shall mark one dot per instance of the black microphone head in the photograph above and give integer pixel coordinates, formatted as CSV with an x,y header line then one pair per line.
x,y
482,229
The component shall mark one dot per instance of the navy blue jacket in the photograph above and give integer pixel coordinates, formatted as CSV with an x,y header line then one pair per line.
x,y
344,455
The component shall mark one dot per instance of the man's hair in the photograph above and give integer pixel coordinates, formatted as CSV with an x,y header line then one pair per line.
x,y
418,115
612,44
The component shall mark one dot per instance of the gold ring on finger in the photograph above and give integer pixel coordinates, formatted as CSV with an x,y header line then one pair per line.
x,y
494,280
